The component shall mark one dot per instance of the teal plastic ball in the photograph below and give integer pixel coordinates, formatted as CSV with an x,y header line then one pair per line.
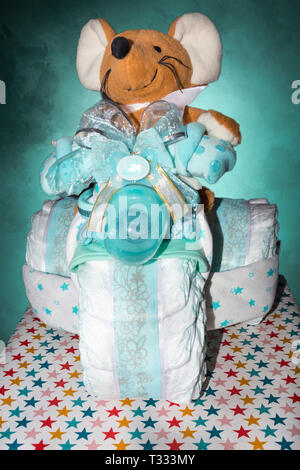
x,y
137,221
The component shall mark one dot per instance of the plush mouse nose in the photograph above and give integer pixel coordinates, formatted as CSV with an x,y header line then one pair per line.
x,y
120,47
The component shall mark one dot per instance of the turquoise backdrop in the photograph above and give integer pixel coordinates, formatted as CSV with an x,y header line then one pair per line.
x,y
45,99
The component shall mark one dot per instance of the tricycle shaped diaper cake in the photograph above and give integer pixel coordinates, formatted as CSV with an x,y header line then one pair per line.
x,y
134,254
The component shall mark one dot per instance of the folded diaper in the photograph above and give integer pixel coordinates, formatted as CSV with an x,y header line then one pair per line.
x,y
263,228
53,298
242,294
142,328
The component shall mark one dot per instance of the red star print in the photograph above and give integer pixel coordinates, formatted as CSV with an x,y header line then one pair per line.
x,y
226,343
66,365
234,391
54,402
269,322
295,398
75,337
9,372
228,357
71,350
278,348
40,445
171,403
61,383
110,434
18,357
174,445
289,380
242,432
238,411
273,335
174,422
231,373
24,343
113,412
31,330
283,363
47,422
3,390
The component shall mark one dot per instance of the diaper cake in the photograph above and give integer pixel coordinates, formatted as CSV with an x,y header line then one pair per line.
x,y
133,253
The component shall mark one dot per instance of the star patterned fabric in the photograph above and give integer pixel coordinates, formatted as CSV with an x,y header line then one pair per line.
x,y
250,399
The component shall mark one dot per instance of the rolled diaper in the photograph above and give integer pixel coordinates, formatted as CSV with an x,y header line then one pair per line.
x,y
263,228
36,239
46,241
244,232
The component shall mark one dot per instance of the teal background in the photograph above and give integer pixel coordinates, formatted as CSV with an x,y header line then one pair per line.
x,y
45,99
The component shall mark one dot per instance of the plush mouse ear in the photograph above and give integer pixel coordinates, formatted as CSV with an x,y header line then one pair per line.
x,y
201,39
93,40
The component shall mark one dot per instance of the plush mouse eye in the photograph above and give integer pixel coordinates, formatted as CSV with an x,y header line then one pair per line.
x,y
157,48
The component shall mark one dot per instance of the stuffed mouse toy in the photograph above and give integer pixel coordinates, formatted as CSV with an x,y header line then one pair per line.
x,y
138,67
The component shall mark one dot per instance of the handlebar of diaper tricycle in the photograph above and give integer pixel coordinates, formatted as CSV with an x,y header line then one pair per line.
x,y
144,169
146,177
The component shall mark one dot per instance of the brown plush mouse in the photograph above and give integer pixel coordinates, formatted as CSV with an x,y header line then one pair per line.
x,y
137,67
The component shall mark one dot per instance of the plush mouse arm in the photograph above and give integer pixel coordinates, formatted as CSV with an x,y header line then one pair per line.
x,y
68,170
216,124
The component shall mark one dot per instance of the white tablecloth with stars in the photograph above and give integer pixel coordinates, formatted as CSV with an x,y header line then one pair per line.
x,y
250,399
